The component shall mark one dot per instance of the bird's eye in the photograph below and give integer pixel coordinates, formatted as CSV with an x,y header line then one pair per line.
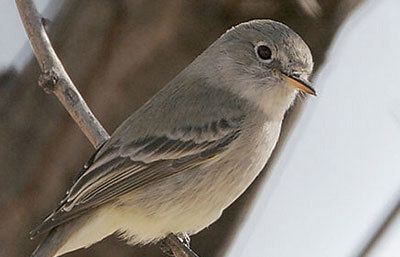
x,y
264,52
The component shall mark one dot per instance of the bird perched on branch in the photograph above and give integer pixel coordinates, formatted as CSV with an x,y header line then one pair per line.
x,y
176,163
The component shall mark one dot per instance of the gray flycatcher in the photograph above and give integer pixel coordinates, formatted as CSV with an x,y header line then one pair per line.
x,y
176,163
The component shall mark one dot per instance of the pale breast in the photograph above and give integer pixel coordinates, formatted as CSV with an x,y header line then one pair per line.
x,y
191,201
246,159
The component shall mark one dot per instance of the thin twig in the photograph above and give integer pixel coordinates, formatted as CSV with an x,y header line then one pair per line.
x,y
380,231
55,79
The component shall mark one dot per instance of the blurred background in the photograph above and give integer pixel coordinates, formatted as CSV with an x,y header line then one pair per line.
x,y
334,176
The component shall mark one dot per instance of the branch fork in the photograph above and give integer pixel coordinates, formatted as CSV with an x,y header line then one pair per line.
x,y
54,79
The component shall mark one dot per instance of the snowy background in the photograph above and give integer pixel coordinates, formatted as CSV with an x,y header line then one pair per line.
x,y
339,172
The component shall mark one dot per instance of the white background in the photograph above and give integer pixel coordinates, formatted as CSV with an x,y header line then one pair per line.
x,y
339,172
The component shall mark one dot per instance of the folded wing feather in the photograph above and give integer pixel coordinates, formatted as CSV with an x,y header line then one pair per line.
x,y
125,167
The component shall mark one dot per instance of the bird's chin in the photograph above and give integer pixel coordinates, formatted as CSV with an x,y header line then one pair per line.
x,y
290,96
275,101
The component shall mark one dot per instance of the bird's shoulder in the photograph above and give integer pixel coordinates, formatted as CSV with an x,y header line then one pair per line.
x,y
183,107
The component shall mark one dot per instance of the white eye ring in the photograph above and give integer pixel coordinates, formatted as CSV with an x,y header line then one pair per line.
x,y
263,52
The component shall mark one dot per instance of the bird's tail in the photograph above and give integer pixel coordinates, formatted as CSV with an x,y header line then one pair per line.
x,y
56,238
78,233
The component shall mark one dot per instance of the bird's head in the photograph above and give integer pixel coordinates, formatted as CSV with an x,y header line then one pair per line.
x,y
263,60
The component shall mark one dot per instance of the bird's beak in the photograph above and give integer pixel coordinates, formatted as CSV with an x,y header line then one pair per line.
x,y
300,84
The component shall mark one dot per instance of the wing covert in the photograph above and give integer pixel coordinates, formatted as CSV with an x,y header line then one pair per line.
x,y
122,168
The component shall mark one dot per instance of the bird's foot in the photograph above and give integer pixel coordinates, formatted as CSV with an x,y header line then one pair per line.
x,y
177,245
184,238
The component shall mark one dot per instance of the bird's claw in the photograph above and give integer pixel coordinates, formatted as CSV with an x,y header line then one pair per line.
x,y
166,249
184,238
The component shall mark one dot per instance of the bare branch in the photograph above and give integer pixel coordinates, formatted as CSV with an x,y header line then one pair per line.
x,y
380,231
55,79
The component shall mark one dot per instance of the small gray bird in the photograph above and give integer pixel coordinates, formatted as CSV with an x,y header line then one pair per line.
x,y
176,163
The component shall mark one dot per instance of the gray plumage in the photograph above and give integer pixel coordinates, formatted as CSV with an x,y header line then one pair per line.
x,y
176,163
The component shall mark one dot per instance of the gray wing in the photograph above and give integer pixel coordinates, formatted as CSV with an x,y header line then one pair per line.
x,y
124,167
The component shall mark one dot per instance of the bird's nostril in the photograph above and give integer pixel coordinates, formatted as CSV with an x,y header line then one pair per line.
x,y
296,74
